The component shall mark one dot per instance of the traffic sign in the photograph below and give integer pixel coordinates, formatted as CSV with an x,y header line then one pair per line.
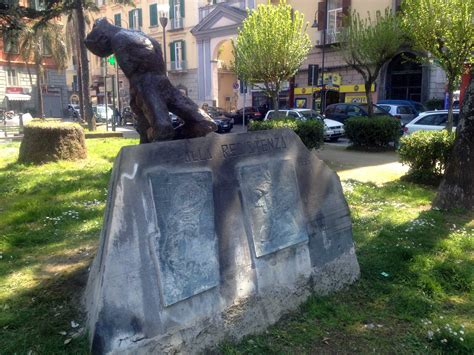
x,y
111,60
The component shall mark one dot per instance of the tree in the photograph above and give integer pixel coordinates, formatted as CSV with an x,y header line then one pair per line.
x,y
366,45
36,42
444,29
270,47
457,187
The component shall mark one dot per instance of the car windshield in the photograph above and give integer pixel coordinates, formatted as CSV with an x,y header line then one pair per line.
x,y
310,114
419,107
377,110
384,107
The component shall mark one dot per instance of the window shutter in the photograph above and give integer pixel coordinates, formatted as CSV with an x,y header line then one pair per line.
x,y
172,56
321,15
153,15
140,20
130,19
346,4
171,9
183,50
182,2
118,20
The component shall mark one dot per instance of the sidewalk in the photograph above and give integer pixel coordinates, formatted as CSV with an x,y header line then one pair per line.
x,y
377,167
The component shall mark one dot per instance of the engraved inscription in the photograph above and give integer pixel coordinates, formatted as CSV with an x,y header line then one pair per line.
x,y
197,155
272,203
253,147
186,248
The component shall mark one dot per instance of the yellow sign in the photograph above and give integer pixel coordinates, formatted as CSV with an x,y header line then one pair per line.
x,y
355,99
332,79
307,90
355,88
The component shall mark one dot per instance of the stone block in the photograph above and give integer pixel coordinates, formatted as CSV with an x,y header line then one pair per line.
x,y
214,238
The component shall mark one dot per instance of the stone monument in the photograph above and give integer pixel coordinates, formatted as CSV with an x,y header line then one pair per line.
x,y
214,238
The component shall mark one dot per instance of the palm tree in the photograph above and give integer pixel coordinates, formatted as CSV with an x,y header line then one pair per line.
x,y
40,40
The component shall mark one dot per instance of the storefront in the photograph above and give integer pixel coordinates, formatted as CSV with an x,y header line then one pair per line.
x,y
355,93
15,97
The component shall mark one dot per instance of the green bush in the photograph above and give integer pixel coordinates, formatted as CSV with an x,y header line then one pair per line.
x,y
426,153
49,141
374,132
434,104
311,132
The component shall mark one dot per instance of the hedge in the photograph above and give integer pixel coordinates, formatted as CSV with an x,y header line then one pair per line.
x,y
311,132
373,132
426,153
48,141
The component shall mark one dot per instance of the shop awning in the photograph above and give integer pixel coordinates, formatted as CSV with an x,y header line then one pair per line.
x,y
18,97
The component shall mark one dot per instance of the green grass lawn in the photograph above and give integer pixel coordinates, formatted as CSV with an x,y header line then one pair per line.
x,y
415,294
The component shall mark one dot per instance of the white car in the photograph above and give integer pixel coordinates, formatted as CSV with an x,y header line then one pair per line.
x,y
430,121
404,113
99,111
333,130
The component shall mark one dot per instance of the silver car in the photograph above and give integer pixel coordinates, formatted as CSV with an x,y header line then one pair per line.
x,y
404,113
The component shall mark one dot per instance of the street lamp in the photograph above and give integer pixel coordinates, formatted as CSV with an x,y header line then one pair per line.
x,y
316,25
163,10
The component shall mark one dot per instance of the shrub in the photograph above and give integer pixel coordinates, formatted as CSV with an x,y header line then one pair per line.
x,y
372,132
311,132
426,153
434,104
44,142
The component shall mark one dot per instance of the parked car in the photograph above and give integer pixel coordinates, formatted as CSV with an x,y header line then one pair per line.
x,y
224,123
340,112
417,106
404,113
251,113
101,114
74,111
333,130
430,121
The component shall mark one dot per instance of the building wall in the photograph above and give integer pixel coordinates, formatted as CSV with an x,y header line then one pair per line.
x,y
56,82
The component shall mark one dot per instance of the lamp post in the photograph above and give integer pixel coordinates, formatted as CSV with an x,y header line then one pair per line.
x,y
164,11
316,25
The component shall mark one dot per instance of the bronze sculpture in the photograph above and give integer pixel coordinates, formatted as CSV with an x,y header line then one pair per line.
x,y
152,94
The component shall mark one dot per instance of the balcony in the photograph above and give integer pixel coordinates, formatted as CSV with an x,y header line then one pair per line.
x,y
178,66
176,23
331,37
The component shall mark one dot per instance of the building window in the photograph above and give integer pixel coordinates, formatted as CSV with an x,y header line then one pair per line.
x,y
12,78
335,15
153,15
100,2
135,19
178,55
118,20
10,43
176,13
37,4
45,47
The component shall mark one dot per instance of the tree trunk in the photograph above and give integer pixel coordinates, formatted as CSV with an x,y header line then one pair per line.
x,y
370,108
449,124
457,187
39,83
81,26
79,85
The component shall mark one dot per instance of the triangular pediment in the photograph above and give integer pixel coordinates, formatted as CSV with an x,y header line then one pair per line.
x,y
222,16
224,21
